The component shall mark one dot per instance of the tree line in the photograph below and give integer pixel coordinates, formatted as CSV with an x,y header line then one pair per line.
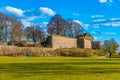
x,y
11,29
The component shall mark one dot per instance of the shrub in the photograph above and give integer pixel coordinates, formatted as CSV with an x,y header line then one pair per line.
x,y
39,51
21,43
22,51
77,52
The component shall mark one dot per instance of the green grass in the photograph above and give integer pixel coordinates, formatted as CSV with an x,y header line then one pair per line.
x,y
59,68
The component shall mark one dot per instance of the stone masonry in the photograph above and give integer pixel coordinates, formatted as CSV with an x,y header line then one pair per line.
x,y
86,41
97,45
61,42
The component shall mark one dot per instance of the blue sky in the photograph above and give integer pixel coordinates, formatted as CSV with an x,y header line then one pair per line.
x,y
101,18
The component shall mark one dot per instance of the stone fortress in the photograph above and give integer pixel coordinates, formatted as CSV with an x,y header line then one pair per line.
x,y
82,41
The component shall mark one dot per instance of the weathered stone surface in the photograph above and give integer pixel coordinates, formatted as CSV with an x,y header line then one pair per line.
x,y
97,45
84,43
57,42
86,36
80,43
87,43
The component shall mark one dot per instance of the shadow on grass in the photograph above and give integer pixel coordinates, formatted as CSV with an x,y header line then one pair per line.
x,y
71,68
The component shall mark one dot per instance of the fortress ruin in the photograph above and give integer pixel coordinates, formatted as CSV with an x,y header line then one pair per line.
x,y
82,41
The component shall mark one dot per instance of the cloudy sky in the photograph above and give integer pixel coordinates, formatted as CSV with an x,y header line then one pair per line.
x,y
101,18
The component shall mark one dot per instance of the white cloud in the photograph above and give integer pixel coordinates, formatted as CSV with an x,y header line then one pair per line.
x,y
106,1
96,26
96,38
105,33
107,24
110,33
45,23
25,23
29,10
14,10
85,26
47,11
103,1
97,16
113,22
76,14
96,32
113,19
99,20
31,18
116,24
77,21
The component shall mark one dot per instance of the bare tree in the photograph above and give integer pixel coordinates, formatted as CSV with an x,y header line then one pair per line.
x,y
57,25
9,28
75,29
15,30
4,24
35,33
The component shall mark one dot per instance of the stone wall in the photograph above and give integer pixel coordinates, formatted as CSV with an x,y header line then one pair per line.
x,y
97,45
57,42
25,51
87,44
84,43
49,41
80,43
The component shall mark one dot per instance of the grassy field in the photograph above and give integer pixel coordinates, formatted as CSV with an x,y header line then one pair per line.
x,y
59,68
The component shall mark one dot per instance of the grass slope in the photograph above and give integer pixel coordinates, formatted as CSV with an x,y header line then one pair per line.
x,y
59,68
